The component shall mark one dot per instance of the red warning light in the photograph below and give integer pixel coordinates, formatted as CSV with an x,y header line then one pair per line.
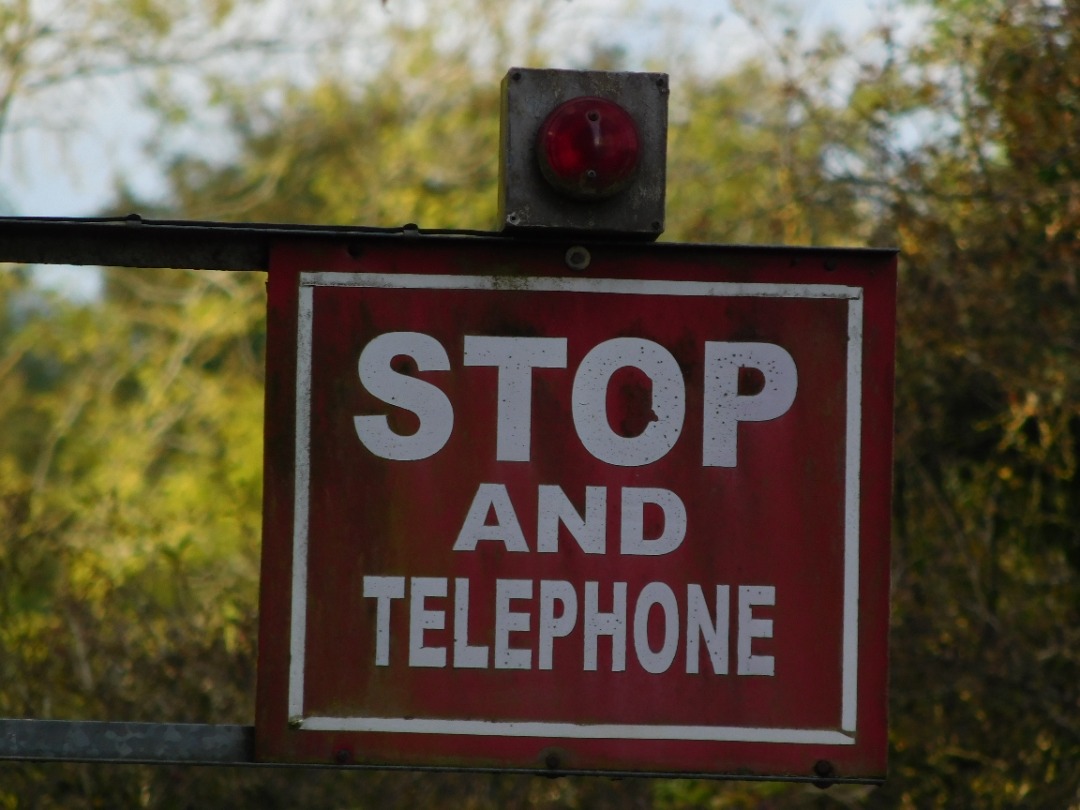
x,y
588,148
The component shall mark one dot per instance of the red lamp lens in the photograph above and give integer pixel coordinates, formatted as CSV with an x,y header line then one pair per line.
x,y
588,148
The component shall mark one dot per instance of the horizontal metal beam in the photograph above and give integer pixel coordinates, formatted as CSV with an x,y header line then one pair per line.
x,y
133,241
232,745
89,741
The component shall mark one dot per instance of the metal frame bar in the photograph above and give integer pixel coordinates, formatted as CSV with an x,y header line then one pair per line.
x,y
118,742
133,241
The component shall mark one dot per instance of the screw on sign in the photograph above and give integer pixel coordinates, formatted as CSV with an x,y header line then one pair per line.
x,y
637,517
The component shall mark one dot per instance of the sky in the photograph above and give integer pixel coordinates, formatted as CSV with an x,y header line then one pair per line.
x,y
74,176
75,173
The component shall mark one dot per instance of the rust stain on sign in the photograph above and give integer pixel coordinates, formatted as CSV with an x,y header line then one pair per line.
x,y
631,521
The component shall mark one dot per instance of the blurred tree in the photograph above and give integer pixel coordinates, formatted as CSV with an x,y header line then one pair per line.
x,y
130,495
988,494
56,54
131,451
129,463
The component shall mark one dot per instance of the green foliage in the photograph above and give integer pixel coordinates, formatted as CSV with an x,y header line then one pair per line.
x,y
337,156
987,508
746,165
129,499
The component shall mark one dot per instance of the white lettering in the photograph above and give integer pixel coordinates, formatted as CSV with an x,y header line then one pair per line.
x,y
466,656
553,508
551,626
515,357
429,403
605,624
555,604
725,407
421,619
656,593
383,589
633,521
506,529
589,405
751,628
700,626
507,622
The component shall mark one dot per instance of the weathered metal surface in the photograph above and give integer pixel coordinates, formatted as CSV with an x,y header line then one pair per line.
x,y
86,741
137,242
440,416
528,202
133,241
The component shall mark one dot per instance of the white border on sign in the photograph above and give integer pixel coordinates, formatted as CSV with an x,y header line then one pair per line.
x,y
628,731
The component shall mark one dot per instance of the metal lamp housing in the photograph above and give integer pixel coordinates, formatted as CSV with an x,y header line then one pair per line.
x,y
528,202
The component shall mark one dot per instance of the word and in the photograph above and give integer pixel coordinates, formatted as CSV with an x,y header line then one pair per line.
x,y
589,531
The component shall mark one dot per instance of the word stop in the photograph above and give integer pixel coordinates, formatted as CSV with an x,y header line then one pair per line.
x,y
517,357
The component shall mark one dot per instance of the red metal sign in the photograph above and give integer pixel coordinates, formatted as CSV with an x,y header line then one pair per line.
x,y
632,518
